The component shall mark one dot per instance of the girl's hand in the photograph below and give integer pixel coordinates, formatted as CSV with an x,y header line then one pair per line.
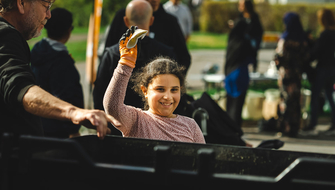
x,y
127,56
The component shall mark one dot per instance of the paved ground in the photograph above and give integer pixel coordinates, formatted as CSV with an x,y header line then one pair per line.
x,y
201,58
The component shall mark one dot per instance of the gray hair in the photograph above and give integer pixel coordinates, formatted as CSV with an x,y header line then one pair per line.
x,y
6,5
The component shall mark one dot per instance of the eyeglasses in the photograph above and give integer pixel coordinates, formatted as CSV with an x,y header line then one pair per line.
x,y
47,7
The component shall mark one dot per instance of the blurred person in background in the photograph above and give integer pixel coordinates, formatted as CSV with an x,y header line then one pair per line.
x,y
55,71
164,29
324,78
238,57
183,15
291,55
254,30
243,44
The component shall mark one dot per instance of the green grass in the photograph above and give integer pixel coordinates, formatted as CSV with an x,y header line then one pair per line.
x,y
77,50
198,40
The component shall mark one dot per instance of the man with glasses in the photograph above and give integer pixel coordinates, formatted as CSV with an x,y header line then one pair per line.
x,y
47,6
21,100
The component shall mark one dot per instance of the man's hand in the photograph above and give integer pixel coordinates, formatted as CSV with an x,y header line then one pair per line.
x,y
93,119
41,103
127,56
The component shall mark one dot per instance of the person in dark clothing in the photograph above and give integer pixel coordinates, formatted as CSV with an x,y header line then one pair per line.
x,y
239,55
323,52
165,29
15,79
22,102
55,71
291,56
149,50
254,30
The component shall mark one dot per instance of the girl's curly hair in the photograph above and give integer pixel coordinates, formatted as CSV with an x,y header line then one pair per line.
x,y
160,65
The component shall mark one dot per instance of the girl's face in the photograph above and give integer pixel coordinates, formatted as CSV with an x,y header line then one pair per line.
x,y
163,95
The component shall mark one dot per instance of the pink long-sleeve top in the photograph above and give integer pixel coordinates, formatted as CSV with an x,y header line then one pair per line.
x,y
134,122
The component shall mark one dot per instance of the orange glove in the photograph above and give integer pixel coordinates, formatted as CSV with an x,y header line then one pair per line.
x,y
127,56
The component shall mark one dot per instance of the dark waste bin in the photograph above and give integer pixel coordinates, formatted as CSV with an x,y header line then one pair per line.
x,y
115,162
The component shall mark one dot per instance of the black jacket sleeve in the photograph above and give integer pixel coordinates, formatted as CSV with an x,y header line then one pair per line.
x,y
116,29
180,47
65,81
324,48
166,30
238,46
105,71
15,74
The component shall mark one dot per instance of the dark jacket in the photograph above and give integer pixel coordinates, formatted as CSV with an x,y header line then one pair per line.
x,y
15,79
165,29
254,32
149,50
324,49
239,46
56,73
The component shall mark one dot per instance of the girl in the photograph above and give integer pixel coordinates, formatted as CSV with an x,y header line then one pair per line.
x,y
160,83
